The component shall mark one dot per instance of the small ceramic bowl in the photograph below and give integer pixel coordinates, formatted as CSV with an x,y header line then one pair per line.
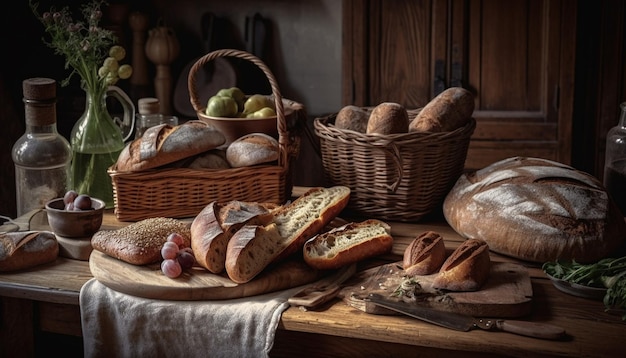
x,y
74,224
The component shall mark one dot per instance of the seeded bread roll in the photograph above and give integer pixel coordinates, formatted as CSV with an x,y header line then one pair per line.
x,y
140,243
424,255
21,250
352,118
213,227
253,248
348,244
252,149
450,110
466,269
536,210
388,118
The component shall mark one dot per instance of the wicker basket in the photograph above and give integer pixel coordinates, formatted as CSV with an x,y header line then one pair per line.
x,y
184,192
398,177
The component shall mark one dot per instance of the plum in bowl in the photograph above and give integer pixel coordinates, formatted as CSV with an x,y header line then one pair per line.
x,y
74,223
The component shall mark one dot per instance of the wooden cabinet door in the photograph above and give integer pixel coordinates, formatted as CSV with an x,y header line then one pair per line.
x,y
516,56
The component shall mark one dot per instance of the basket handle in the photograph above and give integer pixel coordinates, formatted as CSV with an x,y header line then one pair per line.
x,y
281,123
391,148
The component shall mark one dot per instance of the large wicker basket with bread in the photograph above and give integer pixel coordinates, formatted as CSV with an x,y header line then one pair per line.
x,y
184,192
399,177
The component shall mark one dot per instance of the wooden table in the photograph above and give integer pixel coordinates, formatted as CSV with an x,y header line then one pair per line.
x,y
46,299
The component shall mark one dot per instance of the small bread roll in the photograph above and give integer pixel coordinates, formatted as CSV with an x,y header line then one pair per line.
x,y
450,110
252,149
213,159
466,269
353,118
388,118
425,254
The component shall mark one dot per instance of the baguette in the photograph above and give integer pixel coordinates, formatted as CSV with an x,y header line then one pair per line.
x,y
140,243
466,269
348,244
164,144
213,227
22,250
424,255
253,248
450,110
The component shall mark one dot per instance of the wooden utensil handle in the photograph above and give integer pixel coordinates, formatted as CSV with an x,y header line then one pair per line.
x,y
531,329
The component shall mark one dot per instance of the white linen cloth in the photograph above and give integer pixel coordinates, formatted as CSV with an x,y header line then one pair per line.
x,y
115,324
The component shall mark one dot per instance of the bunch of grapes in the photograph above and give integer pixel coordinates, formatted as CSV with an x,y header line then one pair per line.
x,y
77,202
176,257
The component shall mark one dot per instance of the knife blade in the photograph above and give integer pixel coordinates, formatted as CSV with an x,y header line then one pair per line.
x,y
466,323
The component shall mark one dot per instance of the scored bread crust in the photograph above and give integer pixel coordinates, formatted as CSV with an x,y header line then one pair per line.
x,y
536,210
21,250
348,244
164,144
466,269
140,243
214,226
253,248
424,255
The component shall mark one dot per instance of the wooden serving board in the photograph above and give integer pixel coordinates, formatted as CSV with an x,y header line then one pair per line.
x,y
196,284
507,292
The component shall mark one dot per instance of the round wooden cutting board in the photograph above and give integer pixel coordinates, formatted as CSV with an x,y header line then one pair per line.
x,y
196,284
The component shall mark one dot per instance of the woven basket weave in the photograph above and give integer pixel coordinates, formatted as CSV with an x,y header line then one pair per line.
x,y
398,177
184,192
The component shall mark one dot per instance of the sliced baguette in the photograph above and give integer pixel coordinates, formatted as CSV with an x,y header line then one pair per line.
x,y
252,248
348,244
424,255
213,227
466,269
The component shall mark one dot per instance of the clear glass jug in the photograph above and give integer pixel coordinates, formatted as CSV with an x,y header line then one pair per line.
x,y
96,141
615,161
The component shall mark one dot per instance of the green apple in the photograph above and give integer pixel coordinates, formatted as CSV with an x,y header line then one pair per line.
x,y
235,93
256,102
264,112
219,106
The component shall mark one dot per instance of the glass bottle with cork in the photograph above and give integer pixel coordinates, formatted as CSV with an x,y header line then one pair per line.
x,y
41,155
615,161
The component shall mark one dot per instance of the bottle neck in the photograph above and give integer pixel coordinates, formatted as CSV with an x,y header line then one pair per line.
x,y
41,129
40,113
622,117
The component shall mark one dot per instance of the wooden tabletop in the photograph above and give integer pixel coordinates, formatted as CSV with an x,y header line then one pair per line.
x,y
591,332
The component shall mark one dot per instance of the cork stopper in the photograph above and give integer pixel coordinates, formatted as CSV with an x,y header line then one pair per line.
x,y
149,105
39,89
40,101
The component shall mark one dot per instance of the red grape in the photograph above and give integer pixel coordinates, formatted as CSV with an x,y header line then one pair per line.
x,y
186,259
69,197
176,238
169,251
171,268
82,202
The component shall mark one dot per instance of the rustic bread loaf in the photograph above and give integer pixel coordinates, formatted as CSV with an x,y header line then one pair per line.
x,y
254,247
352,118
252,149
424,255
466,269
450,110
213,159
213,227
388,118
348,244
536,210
22,250
165,144
140,243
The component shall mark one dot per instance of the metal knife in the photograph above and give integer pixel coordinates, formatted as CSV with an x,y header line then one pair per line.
x,y
465,323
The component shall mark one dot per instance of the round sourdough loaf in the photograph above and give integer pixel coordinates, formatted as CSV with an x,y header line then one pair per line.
x,y
536,210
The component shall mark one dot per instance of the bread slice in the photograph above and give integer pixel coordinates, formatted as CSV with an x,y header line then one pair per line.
x,y
348,244
466,269
140,243
213,227
253,248
424,255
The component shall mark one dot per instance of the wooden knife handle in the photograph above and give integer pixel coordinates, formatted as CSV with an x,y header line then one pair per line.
x,y
531,329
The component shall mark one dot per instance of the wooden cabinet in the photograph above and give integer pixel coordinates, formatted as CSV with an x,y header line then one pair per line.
x,y
516,56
